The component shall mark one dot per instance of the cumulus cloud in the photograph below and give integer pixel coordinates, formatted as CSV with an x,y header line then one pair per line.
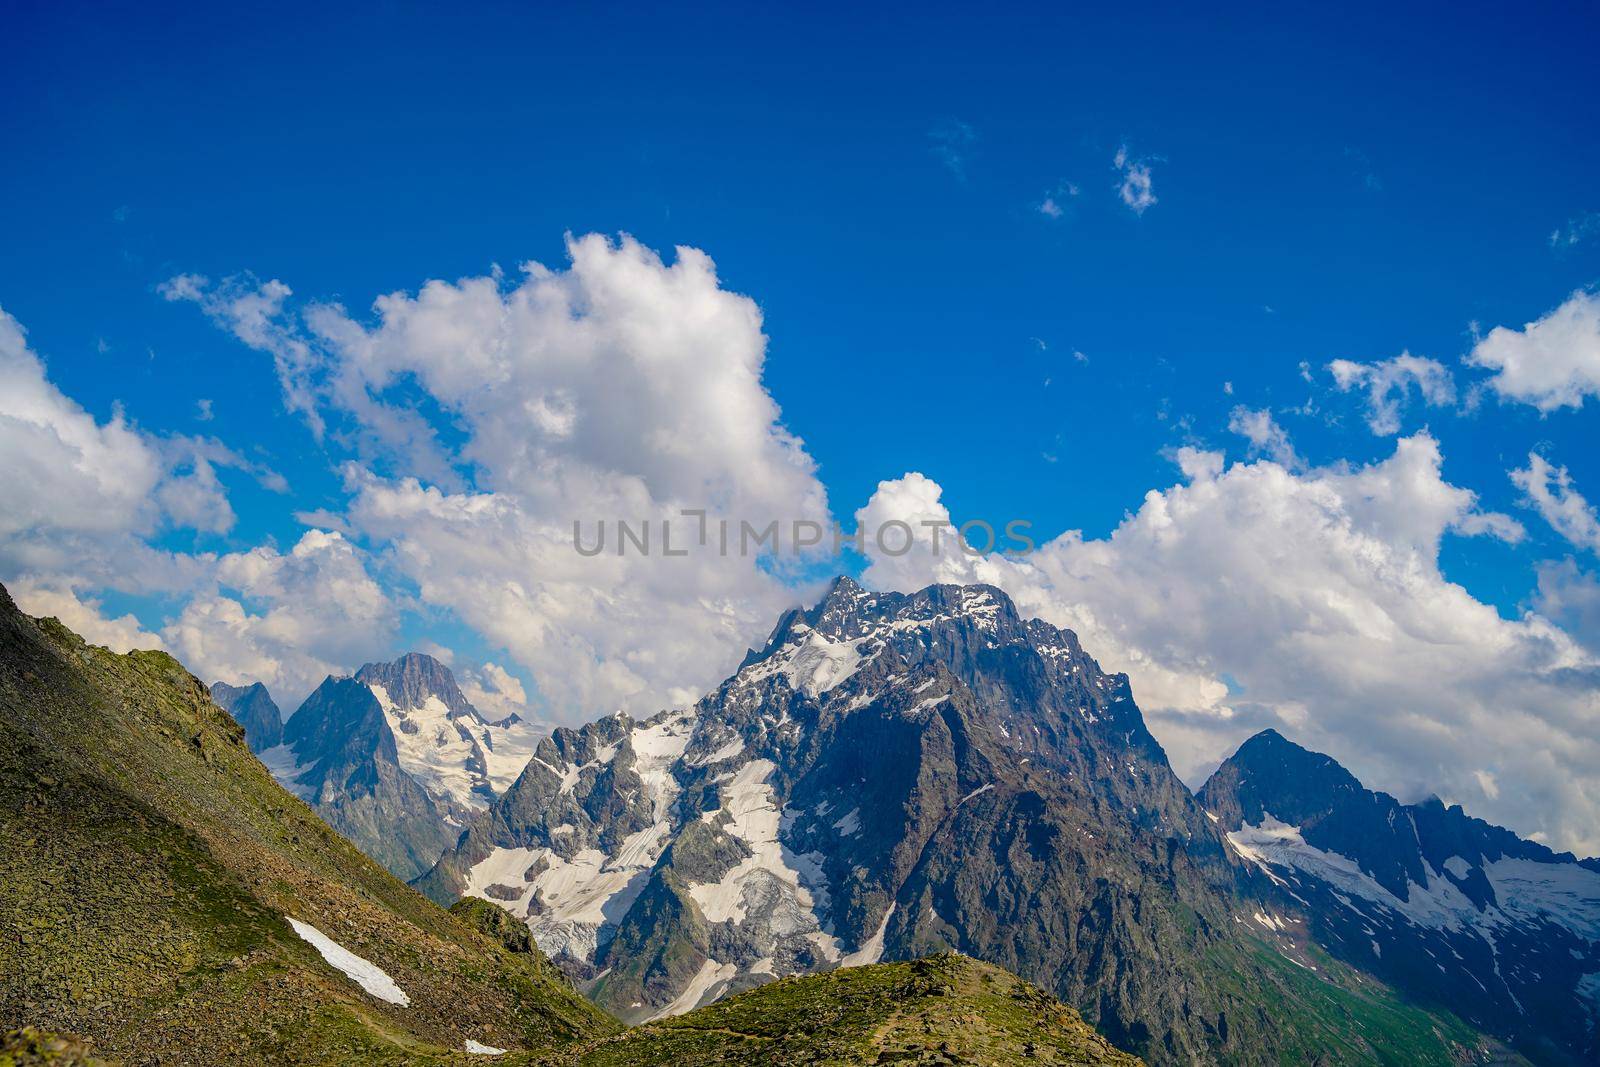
x,y
1266,437
1251,596
494,691
1388,384
286,619
1135,187
1549,491
1570,596
623,388
1551,363
81,495
84,616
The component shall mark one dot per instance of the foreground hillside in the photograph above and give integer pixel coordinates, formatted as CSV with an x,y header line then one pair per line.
x,y
150,869
943,1009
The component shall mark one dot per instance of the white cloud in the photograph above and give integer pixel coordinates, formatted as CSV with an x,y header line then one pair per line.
x,y
495,692
287,619
1571,597
1551,363
1549,490
1135,187
84,616
1388,384
622,387
1254,596
254,313
82,495
1266,437
1577,230
1052,204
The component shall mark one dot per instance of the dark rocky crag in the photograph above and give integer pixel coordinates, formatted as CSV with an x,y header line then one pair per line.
x,y
252,706
349,771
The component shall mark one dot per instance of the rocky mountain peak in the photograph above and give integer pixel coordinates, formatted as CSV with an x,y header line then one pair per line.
x,y
847,794
410,680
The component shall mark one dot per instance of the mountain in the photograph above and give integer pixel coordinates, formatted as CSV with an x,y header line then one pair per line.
x,y
396,758
161,895
894,775
163,900
1449,908
254,709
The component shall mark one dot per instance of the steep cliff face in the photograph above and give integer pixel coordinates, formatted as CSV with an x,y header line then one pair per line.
x,y
1456,912
890,776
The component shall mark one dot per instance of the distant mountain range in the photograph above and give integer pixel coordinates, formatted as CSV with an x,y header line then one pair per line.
x,y
1459,913
396,757
163,897
893,775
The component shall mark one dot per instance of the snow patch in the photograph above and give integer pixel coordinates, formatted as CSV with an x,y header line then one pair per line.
x,y
976,792
871,950
364,973
280,761
702,989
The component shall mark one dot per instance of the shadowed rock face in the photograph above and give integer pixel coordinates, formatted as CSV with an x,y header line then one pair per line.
x,y
893,775
1449,908
254,709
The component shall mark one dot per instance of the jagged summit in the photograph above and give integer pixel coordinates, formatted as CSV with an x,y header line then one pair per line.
x,y
415,677
397,758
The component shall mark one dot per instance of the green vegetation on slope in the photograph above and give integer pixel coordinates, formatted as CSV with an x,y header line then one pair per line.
x,y
148,864
945,1009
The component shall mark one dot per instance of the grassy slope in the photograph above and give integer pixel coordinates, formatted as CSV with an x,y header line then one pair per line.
x,y
147,861
943,1009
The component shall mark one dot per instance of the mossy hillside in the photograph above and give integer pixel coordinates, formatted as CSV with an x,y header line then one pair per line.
x,y
1326,1012
31,1047
941,1010
147,862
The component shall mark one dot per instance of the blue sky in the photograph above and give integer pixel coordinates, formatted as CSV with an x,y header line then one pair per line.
x,y
1327,185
